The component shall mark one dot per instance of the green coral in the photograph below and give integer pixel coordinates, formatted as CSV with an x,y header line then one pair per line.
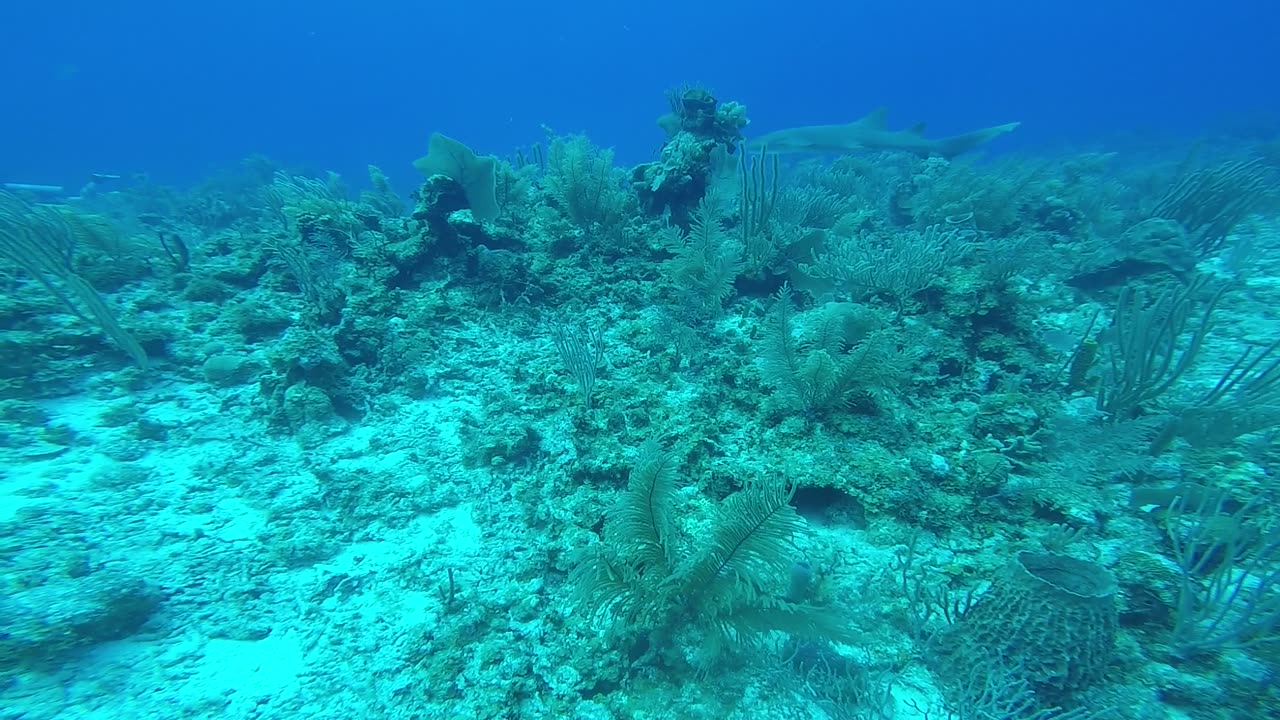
x,y
581,179
727,588
841,355
706,261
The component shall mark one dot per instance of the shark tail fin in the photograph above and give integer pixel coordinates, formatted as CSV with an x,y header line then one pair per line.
x,y
950,147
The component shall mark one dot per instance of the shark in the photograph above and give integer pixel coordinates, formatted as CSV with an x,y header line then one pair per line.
x,y
871,133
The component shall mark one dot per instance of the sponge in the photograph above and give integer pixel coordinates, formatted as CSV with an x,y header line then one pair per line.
x,y
1049,620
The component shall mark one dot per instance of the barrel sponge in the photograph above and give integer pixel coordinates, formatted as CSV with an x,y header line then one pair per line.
x,y
1049,619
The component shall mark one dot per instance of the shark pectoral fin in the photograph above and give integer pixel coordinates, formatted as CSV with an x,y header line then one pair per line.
x,y
917,129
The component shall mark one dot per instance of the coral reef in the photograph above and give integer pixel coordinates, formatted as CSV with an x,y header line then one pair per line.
x,y
719,435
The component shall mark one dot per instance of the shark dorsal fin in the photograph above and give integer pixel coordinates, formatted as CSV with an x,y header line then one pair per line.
x,y
874,120
917,129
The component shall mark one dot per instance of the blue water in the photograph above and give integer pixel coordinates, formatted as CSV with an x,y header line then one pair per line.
x,y
894,431
175,89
